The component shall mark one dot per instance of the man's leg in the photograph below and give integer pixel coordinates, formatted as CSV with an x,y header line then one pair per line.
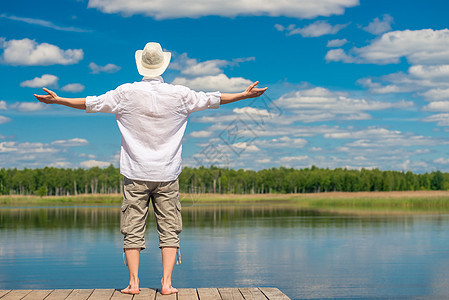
x,y
167,210
132,260
132,226
168,262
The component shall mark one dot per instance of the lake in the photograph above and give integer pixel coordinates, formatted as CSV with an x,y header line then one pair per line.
x,y
307,254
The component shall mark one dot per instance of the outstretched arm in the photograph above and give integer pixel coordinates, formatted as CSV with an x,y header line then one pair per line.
x,y
52,98
250,92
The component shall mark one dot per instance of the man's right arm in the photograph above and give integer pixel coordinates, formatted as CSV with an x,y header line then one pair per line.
x,y
52,98
250,92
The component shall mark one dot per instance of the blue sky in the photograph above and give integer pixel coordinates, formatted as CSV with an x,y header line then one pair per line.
x,y
355,84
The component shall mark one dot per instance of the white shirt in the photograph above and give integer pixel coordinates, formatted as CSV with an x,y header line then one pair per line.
x,y
152,117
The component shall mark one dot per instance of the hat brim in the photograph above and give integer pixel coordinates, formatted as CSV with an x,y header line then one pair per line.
x,y
151,72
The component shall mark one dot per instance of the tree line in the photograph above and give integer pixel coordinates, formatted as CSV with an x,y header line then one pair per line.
x,y
58,182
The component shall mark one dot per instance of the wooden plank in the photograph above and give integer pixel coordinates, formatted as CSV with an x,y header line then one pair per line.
x,y
37,295
16,294
230,294
252,294
208,294
4,292
187,294
120,296
58,294
159,296
273,293
264,293
81,294
101,294
145,293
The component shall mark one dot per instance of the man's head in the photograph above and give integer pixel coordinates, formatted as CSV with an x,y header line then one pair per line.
x,y
152,61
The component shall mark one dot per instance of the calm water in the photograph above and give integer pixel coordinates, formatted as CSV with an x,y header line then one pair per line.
x,y
307,254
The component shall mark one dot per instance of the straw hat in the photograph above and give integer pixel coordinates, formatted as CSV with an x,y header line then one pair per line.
x,y
152,61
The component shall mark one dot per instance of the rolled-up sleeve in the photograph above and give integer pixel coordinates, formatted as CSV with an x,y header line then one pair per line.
x,y
106,103
197,101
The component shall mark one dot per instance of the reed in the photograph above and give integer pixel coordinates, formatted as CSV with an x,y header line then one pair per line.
x,y
420,200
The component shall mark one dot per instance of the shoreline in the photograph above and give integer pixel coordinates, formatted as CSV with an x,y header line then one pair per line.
x,y
273,196
442,196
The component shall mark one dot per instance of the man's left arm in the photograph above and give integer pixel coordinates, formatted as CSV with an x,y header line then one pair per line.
x,y
52,98
250,92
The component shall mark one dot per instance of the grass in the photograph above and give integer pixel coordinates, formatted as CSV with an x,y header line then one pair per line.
x,y
408,200
60,200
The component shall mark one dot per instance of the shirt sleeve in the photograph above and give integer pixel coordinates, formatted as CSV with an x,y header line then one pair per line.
x,y
197,101
106,103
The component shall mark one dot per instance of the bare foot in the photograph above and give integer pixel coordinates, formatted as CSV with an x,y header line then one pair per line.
x,y
167,289
131,291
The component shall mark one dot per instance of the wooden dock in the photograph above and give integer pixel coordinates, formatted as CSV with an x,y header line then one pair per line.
x,y
263,293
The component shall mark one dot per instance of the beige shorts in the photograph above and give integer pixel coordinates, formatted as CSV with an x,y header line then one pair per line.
x,y
167,211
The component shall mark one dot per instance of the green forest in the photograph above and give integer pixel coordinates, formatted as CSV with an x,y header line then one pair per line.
x,y
58,182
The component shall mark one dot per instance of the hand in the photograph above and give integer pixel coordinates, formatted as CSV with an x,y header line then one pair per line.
x,y
50,98
253,92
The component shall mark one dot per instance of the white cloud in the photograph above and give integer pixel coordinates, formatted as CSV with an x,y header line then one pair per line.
x,y
246,146
210,67
372,133
219,82
94,163
440,106
426,46
109,68
24,148
45,80
38,155
3,105
75,142
337,42
264,160
301,146
283,142
28,52
208,75
316,29
339,55
193,68
436,94
378,26
28,106
4,119
73,88
201,134
433,72
169,9
60,164
251,111
441,160
320,104
431,80
293,158
279,27
440,119
367,148
42,23
401,140
422,151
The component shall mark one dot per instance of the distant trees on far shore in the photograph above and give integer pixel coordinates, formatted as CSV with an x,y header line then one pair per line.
x,y
58,182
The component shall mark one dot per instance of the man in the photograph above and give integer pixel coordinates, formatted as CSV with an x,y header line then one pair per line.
x,y
152,117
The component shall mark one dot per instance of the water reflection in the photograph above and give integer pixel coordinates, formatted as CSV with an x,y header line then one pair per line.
x,y
209,215
308,254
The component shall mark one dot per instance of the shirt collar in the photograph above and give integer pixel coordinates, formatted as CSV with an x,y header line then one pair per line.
x,y
157,79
